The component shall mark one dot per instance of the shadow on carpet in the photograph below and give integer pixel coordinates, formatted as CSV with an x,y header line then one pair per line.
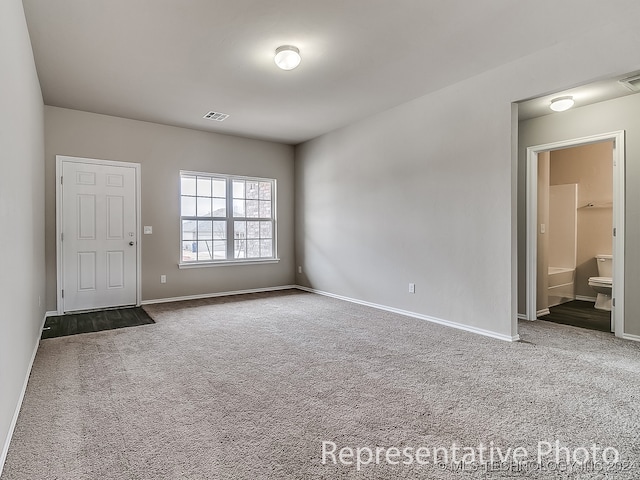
x,y
74,323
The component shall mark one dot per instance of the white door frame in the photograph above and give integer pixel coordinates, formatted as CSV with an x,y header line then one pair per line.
x,y
59,255
618,139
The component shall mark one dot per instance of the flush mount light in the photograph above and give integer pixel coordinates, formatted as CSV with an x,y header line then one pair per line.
x,y
561,104
287,57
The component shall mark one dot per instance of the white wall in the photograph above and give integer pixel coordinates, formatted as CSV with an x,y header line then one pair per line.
x,y
163,151
21,212
426,192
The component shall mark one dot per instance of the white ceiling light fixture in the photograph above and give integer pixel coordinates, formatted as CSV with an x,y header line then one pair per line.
x,y
561,104
287,57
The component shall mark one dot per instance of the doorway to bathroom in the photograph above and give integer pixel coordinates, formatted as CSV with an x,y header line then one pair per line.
x,y
575,207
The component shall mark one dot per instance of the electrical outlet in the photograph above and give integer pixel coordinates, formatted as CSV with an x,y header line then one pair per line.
x,y
412,288
163,279
148,230
543,228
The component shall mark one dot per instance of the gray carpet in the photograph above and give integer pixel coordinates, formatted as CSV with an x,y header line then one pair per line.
x,y
248,387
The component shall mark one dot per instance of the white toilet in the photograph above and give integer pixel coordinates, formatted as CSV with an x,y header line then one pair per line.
x,y
603,284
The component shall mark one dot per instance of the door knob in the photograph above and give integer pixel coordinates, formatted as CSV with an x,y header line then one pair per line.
x,y
131,243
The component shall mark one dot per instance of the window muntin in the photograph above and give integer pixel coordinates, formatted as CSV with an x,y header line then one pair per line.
x,y
226,218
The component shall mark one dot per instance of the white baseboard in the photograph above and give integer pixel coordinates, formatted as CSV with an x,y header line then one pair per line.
x,y
586,299
51,313
219,294
522,316
543,312
628,336
16,413
459,326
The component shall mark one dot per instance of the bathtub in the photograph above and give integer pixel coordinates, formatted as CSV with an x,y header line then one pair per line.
x,y
561,286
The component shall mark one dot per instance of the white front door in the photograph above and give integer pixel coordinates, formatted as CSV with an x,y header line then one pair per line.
x,y
99,231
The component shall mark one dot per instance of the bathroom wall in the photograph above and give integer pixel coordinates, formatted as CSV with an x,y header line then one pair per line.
x,y
562,227
591,167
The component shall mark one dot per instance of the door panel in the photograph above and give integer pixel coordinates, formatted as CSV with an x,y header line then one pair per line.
x,y
115,216
99,230
86,271
115,269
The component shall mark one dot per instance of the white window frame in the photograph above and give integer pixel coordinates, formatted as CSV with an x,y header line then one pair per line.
x,y
230,219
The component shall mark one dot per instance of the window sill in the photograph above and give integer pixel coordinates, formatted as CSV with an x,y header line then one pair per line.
x,y
226,263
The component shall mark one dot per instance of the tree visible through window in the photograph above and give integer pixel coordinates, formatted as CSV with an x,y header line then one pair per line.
x,y
225,218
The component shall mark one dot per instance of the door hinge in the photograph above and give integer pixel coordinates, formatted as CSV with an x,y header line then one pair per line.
x,y
63,293
62,237
60,180
614,231
613,302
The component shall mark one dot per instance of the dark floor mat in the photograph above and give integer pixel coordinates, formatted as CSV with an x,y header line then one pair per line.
x,y
74,323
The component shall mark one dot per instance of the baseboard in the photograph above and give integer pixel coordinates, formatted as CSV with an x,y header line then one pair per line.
x,y
543,312
628,336
219,294
51,313
586,299
522,316
14,420
447,323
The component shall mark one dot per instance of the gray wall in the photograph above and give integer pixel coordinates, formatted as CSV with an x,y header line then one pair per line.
x,y
618,114
426,192
163,151
21,211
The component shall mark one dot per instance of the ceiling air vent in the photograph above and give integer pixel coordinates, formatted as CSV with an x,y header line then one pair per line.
x,y
217,116
632,83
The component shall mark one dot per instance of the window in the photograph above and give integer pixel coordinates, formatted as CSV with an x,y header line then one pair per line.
x,y
226,219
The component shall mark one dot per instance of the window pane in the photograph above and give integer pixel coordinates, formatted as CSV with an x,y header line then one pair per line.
x,y
188,251
219,249
240,249
219,207
253,229
219,230
188,206
238,189
253,210
265,209
265,190
240,229
253,190
204,206
219,188
188,230
238,208
188,185
253,248
266,248
205,230
204,250
204,186
265,230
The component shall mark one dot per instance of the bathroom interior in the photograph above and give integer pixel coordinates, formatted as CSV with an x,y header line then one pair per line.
x,y
575,224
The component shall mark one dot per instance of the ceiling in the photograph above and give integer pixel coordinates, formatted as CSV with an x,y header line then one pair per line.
x,y
173,61
582,95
